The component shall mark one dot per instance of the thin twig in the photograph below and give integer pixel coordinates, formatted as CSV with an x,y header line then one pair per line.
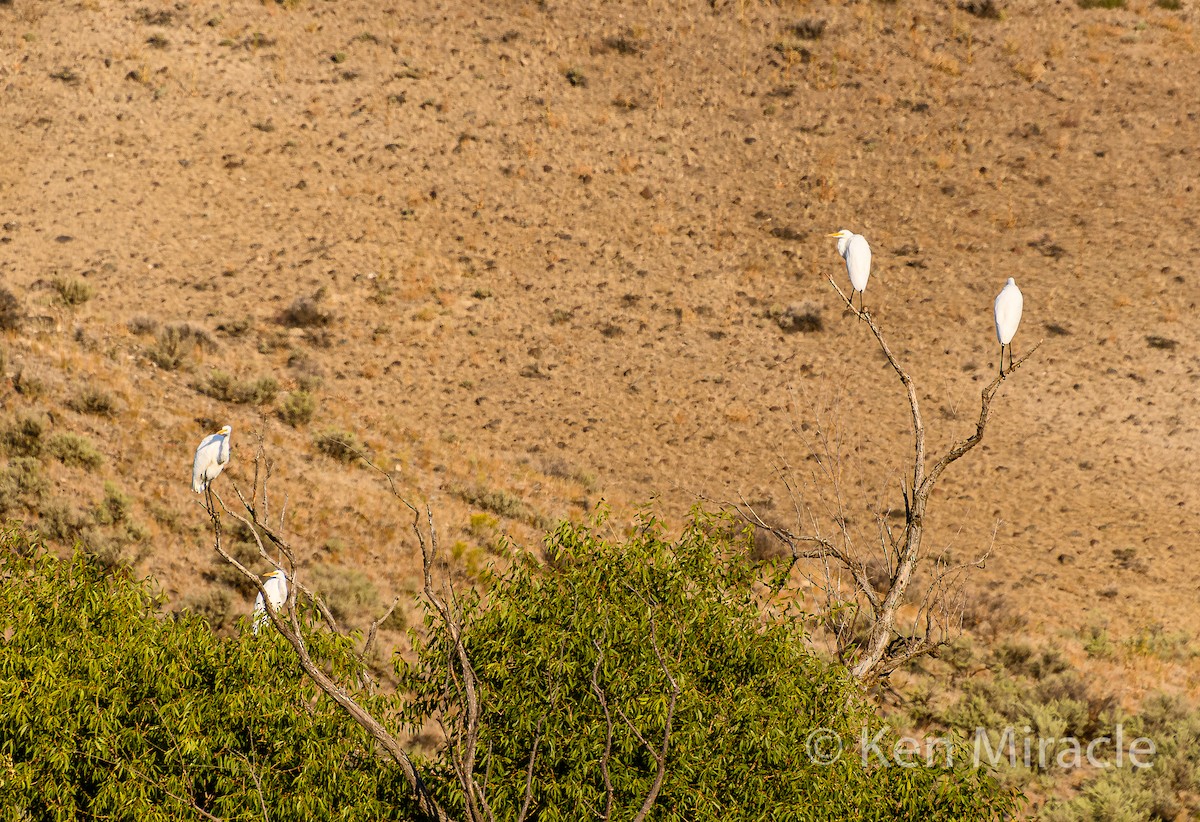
x,y
181,800
426,803
257,784
608,733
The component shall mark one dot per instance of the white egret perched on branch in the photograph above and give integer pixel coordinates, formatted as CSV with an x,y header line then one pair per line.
x,y
211,457
857,254
276,587
1008,316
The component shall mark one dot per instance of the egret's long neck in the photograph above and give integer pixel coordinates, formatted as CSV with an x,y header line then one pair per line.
x,y
843,244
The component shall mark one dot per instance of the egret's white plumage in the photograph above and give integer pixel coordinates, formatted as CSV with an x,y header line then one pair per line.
x,y
276,587
857,254
1009,304
211,457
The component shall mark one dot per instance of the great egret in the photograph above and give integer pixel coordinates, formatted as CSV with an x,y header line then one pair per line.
x,y
276,587
1008,316
857,254
211,457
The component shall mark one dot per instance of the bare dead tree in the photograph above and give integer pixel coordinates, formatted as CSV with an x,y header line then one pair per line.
x,y
864,586
255,514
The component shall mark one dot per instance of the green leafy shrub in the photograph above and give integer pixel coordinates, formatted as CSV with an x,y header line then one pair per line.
x,y
633,636
112,713
75,451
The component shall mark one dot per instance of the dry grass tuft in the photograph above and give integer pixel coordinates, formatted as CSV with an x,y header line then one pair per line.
x,y
72,292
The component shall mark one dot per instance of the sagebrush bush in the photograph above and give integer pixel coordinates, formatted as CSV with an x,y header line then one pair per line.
x,y
93,400
142,326
21,481
341,445
175,342
118,549
28,385
298,408
496,501
22,437
241,546
114,507
305,312
62,521
222,386
75,451
11,314
1168,789
104,529
349,593
213,604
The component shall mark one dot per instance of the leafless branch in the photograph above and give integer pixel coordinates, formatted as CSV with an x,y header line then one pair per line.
x,y
374,629
869,580
462,672
881,653
291,631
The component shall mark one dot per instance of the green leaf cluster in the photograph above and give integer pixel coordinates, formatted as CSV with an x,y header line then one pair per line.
x,y
579,659
110,709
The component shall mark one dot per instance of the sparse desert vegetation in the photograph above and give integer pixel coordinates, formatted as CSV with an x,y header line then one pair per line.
x,y
532,261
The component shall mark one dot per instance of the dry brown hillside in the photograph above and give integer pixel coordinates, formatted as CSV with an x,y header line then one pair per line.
x,y
549,251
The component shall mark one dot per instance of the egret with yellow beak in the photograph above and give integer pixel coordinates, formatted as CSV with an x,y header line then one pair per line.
x,y
857,254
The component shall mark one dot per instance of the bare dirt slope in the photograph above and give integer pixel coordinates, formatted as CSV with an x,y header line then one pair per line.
x,y
556,241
